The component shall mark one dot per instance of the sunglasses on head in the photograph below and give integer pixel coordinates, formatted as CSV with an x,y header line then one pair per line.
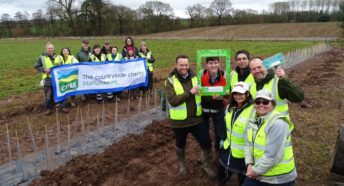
x,y
261,101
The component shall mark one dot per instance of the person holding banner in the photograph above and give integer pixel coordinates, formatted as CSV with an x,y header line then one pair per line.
x,y
242,71
214,106
97,56
277,83
45,62
146,53
129,42
114,56
232,156
268,146
106,49
185,114
66,58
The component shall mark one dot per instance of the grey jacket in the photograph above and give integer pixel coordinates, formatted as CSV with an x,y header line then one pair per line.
x,y
277,135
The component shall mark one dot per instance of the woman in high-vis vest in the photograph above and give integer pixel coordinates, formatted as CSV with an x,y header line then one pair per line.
x,y
232,156
66,58
268,148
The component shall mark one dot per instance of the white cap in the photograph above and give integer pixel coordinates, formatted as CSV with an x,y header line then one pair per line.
x,y
265,94
240,87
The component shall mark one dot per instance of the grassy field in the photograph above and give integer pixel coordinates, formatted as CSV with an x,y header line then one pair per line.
x,y
273,30
18,57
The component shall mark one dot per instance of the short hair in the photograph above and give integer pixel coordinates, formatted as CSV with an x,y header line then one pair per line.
x,y
181,56
48,43
96,46
212,59
242,52
256,57
143,43
61,53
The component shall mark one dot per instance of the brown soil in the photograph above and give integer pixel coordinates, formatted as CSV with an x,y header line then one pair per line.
x,y
149,158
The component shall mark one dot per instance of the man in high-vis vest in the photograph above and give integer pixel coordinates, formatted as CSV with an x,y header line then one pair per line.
x,y
268,146
282,89
185,113
242,70
44,63
147,54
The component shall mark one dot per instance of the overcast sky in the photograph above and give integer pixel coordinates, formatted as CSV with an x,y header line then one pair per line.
x,y
12,6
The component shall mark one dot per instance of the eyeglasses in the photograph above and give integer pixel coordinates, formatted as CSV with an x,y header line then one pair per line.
x,y
243,58
261,101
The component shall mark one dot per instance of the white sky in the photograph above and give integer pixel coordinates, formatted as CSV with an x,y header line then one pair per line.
x,y
12,6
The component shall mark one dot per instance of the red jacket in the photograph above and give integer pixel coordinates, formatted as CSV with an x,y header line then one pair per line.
x,y
207,101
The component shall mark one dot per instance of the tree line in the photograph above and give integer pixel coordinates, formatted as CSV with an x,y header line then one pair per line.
x,y
102,17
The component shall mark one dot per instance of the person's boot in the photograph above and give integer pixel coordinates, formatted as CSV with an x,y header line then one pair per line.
x,y
181,161
206,164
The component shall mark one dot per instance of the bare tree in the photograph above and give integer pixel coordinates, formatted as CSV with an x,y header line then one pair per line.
x,y
6,19
221,8
38,20
196,12
67,11
122,14
156,11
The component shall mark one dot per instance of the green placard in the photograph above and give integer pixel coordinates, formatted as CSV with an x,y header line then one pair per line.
x,y
219,90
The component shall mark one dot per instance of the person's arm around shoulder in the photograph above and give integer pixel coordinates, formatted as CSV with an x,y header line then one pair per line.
x,y
174,99
276,137
287,89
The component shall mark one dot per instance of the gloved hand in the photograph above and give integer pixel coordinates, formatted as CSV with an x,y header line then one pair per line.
x,y
221,143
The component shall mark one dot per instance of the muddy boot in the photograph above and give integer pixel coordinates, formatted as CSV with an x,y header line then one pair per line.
x,y
181,161
206,164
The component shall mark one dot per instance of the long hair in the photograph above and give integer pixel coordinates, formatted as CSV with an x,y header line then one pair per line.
x,y
61,53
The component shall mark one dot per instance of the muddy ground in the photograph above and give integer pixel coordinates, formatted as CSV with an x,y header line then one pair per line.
x,y
149,158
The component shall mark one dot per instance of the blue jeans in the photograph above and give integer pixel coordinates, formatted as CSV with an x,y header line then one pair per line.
x,y
254,182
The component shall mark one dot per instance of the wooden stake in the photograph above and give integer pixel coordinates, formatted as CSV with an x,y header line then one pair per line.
x,y
58,131
68,136
31,135
140,103
9,147
46,147
103,114
116,115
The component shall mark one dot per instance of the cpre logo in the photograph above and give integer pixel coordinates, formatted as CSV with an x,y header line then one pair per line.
x,y
68,79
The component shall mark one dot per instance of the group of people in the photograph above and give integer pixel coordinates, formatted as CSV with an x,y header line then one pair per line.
x,y
252,125
106,53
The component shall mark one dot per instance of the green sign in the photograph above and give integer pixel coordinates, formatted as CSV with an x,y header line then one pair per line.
x,y
218,90
68,80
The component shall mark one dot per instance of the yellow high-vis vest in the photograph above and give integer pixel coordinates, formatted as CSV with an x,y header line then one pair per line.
x,y
235,79
180,112
236,132
47,64
117,58
95,59
272,86
148,55
258,146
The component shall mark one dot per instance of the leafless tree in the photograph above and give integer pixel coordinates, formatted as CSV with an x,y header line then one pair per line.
x,y
221,8
156,11
196,12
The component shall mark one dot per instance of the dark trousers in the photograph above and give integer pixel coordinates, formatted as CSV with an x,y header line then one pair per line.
x,y
49,97
200,133
254,182
219,125
150,80
223,175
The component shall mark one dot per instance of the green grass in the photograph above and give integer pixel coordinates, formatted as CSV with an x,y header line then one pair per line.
x,y
18,57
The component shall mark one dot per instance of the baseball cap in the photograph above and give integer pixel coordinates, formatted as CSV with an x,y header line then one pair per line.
x,y
85,41
240,87
265,94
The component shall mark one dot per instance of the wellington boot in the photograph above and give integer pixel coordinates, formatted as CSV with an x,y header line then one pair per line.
x,y
181,161
206,166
